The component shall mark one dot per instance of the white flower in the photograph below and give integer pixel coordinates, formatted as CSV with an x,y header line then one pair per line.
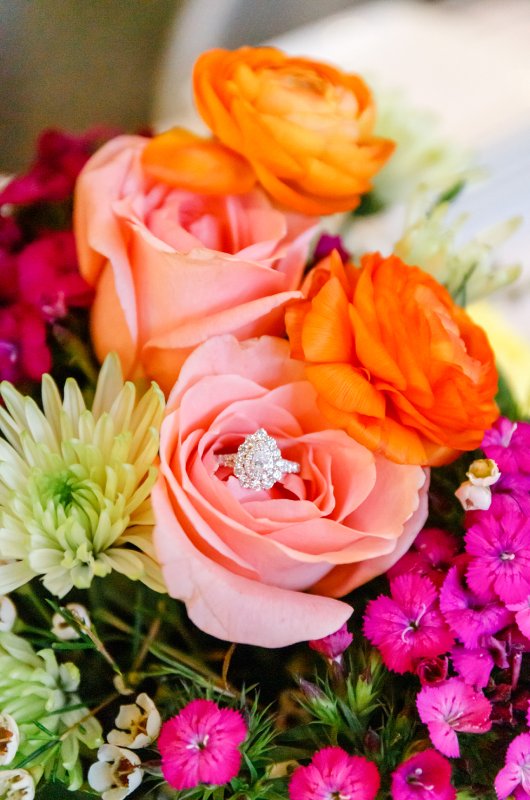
x,y
474,498
423,156
483,472
8,613
75,483
16,784
138,724
468,271
116,773
62,629
9,739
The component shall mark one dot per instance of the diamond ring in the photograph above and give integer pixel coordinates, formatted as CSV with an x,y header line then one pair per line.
x,y
258,463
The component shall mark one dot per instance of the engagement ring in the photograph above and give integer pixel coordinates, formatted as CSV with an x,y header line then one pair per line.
x,y
258,463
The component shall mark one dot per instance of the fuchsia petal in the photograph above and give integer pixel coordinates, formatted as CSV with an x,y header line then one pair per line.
x,y
424,776
334,773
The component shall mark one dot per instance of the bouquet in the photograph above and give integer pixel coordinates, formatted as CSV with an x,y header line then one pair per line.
x,y
264,497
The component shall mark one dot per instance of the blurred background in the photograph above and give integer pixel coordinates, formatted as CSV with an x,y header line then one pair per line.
x,y
127,63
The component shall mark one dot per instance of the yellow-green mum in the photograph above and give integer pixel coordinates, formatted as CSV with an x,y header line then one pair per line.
x,y
75,483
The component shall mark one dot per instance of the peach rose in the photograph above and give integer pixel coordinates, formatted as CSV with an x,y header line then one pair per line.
x,y
241,559
394,361
172,268
305,127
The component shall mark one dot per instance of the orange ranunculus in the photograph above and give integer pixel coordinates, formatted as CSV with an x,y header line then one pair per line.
x,y
306,128
394,360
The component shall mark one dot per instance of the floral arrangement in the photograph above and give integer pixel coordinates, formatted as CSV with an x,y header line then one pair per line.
x,y
264,509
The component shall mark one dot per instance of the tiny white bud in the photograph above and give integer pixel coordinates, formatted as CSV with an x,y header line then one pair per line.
x,y
483,472
63,629
9,738
16,784
473,497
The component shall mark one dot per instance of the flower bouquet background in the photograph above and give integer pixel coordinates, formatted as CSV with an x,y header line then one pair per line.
x,y
264,525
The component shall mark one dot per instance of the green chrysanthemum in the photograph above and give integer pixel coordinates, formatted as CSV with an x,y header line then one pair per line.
x,y
34,688
75,484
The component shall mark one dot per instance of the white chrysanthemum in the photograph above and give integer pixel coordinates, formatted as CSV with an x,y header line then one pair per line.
x,y
35,688
8,613
116,773
75,483
468,271
137,724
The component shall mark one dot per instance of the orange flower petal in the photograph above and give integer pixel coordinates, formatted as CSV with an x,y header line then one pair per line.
x,y
181,159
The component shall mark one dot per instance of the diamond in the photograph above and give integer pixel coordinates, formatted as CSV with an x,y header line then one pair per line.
x,y
258,463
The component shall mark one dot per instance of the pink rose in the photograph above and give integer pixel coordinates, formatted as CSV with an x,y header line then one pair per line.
x,y
173,268
241,560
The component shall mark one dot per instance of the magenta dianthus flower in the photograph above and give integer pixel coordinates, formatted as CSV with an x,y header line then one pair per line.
x,y
514,777
333,773
333,645
201,745
431,555
408,626
499,546
24,352
450,707
522,616
468,617
424,776
508,444
474,665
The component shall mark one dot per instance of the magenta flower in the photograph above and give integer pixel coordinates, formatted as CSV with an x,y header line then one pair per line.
x,y
432,671
59,160
499,546
408,626
326,244
431,555
49,276
201,745
474,665
334,645
24,353
468,617
10,239
450,707
425,776
508,444
522,616
333,773
514,777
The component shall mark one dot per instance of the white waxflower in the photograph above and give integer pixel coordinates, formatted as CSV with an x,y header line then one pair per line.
x,y
16,784
8,613
483,472
62,629
468,271
116,773
473,497
9,739
138,724
75,483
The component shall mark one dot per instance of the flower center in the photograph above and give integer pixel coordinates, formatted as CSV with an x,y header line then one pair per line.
x,y
199,744
416,779
507,556
414,624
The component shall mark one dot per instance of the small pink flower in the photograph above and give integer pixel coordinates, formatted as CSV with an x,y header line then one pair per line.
x,y
431,555
514,777
425,776
334,645
499,546
408,626
201,745
450,707
334,774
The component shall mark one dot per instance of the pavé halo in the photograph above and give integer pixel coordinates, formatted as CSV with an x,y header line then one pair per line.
x,y
258,463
